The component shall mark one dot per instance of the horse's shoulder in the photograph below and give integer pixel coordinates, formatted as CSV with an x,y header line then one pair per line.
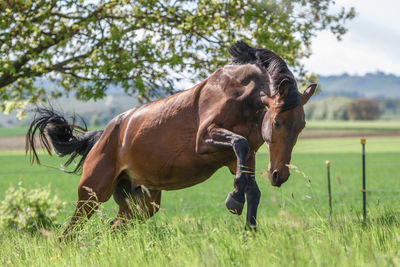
x,y
241,79
239,82
243,74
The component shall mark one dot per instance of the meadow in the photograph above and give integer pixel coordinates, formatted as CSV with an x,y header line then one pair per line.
x,y
376,126
193,227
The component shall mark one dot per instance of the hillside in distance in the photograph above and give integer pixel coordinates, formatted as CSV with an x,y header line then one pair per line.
x,y
94,113
370,85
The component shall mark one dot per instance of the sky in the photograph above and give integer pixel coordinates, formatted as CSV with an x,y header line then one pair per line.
x,y
371,44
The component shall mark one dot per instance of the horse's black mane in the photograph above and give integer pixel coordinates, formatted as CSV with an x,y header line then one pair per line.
x,y
242,53
274,65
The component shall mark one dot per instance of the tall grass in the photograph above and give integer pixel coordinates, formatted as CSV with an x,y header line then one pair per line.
x,y
285,240
194,228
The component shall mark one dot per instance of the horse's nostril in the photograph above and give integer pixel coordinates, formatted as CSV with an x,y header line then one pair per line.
x,y
275,177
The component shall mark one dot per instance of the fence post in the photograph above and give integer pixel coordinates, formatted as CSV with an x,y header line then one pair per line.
x,y
364,191
328,165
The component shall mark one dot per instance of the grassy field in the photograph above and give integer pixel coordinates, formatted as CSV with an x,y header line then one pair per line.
x,y
194,228
17,131
21,131
368,126
355,125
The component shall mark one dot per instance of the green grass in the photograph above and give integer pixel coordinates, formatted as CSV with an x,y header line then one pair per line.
x,y
21,131
376,126
195,229
354,125
17,131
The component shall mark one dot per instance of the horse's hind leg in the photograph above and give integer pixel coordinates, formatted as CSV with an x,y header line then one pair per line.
x,y
135,202
95,187
122,196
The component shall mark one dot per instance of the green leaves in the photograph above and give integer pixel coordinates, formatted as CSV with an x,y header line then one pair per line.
x,y
145,45
29,209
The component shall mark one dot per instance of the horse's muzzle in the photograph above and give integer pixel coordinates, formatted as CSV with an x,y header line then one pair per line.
x,y
277,179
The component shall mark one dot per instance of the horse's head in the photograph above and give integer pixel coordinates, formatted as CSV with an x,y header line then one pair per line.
x,y
284,118
282,123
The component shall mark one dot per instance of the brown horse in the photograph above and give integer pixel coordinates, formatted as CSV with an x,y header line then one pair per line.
x,y
183,139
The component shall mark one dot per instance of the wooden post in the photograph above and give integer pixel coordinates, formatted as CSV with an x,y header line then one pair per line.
x,y
328,165
364,191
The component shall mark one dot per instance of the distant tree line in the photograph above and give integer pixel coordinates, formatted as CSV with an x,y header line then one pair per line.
x,y
342,108
390,108
363,109
103,118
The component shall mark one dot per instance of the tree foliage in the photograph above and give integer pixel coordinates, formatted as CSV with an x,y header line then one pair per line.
x,y
29,209
364,109
342,108
329,108
144,45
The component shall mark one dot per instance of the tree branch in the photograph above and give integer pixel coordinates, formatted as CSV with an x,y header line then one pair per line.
x,y
8,77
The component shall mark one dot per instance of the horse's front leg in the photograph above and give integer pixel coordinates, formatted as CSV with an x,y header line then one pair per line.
x,y
253,194
217,138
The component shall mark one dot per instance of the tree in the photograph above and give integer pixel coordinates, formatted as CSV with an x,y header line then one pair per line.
x,y
144,45
329,108
364,109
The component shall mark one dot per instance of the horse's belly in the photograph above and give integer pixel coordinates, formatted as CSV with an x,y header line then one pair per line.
x,y
163,174
180,181
165,158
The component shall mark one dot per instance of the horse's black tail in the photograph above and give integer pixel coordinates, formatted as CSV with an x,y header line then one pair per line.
x,y
67,139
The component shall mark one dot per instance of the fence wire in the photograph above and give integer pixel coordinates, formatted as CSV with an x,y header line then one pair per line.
x,y
336,196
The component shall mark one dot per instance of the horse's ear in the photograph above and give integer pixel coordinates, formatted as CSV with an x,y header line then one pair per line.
x,y
308,93
283,88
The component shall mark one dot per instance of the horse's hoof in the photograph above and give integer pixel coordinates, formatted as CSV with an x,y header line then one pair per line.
x,y
233,205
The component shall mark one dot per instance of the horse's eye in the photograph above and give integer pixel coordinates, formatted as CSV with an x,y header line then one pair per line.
x,y
276,124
